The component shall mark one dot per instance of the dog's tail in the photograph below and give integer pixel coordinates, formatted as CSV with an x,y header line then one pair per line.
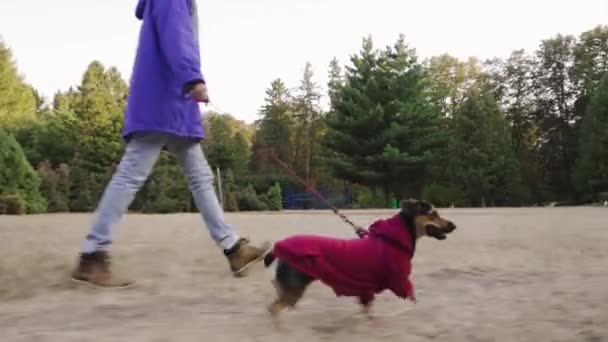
x,y
269,259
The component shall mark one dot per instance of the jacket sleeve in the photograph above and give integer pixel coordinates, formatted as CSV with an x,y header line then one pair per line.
x,y
177,40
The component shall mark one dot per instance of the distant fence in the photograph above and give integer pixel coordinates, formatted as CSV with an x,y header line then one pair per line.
x,y
293,200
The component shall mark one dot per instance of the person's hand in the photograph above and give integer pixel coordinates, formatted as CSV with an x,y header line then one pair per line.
x,y
199,93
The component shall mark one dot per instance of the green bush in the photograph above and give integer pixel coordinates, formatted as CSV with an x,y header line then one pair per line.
x,y
166,190
12,205
445,196
263,182
82,186
366,198
55,186
249,201
164,205
231,202
17,175
274,198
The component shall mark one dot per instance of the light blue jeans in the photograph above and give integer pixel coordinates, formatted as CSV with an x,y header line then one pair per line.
x,y
140,156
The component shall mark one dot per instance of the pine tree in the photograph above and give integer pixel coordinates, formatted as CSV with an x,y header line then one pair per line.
x,y
99,108
17,176
227,144
336,81
166,190
481,157
18,102
382,131
275,128
274,198
308,125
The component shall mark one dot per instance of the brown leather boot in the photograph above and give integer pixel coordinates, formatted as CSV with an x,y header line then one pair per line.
x,y
243,255
94,270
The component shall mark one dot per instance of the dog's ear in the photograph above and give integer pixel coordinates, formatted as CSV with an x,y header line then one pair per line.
x,y
412,207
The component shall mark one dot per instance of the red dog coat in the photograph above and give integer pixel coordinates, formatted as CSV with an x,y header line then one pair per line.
x,y
356,267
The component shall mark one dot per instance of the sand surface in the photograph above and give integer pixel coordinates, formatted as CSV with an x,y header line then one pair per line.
x,y
504,275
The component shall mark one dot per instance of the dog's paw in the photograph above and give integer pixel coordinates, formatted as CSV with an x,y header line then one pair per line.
x,y
275,309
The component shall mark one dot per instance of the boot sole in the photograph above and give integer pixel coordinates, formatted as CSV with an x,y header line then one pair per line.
x,y
240,271
101,287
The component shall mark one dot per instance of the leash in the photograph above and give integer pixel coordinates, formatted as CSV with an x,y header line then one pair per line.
x,y
360,231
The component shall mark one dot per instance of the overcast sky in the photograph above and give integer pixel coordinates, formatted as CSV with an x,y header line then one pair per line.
x,y
248,43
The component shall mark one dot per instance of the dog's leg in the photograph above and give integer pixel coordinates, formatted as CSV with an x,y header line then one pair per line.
x,y
278,305
366,304
290,285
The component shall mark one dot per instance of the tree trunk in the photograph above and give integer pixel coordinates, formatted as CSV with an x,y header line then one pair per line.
x,y
307,142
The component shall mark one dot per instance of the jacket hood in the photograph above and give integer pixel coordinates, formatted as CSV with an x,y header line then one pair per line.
x,y
139,10
396,231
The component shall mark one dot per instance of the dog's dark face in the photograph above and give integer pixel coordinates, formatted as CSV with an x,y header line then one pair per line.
x,y
426,219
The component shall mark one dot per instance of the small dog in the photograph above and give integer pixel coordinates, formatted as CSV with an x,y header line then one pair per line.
x,y
361,268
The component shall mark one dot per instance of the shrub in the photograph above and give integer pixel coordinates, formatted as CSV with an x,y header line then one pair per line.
x,y
55,186
249,201
12,204
445,196
82,183
231,202
166,190
231,197
366,198
274,198
17,175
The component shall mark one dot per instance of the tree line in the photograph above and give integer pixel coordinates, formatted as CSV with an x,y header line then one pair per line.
x,y
528,129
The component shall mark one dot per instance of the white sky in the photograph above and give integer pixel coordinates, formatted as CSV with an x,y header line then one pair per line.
x,y
248,43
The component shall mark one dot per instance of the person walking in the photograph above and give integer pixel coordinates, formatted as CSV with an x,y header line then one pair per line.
x,y
162,112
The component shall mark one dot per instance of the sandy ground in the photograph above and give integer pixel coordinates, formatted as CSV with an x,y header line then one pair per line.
x,y
503,275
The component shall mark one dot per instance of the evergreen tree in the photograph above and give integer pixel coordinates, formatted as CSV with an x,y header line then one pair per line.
x,y
481,158
166,190
226,144
99,108
383,131
17,176
336,81
18,102
249,200
274,198
275,128
308,126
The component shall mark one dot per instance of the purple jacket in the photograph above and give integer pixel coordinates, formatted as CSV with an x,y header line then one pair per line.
x,y
167,58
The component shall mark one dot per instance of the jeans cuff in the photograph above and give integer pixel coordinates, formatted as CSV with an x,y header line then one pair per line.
x,y
228,242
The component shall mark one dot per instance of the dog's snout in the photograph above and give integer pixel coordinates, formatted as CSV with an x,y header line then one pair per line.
x,y
451,226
